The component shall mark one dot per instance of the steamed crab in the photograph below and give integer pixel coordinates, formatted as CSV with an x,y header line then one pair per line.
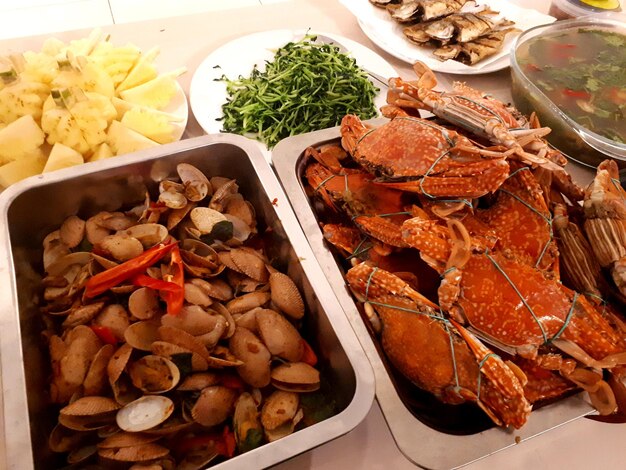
x,y
169,352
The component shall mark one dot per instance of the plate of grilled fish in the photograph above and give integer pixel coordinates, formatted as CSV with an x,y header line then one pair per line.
x,y
451,36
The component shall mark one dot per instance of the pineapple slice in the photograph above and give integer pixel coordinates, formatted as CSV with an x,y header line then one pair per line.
x,y
121,106
22,97
142,72
155,125
29,165
124,140
116,61
86,75
102,152
19,138
40,67
61,157
156,93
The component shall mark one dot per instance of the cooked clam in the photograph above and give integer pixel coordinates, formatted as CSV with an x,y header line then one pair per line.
x,y
121,246
72,231
144,413
249,349
142,453
169,350
296,377
280,337
247,302
140,335
246,423
143,303
286,296
280,414
214,405
154,374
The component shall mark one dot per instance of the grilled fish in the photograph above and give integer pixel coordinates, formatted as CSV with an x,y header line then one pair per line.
x,y
474,51
424,10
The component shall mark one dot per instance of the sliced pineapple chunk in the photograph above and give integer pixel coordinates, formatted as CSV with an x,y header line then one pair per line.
x,y
143,71
155,125
102,152
29,165
22,97
121,106
61,157
124,140
156,93
19,138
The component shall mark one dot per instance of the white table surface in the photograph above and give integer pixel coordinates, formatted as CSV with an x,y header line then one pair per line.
x,y
186,40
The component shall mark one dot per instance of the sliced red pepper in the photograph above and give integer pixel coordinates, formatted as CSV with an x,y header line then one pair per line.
x,y
229,441
105,334
578,94
143,280
308,355
114,276
176,299
232,381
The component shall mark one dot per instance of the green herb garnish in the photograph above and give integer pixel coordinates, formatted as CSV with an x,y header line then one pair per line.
x,y
307,86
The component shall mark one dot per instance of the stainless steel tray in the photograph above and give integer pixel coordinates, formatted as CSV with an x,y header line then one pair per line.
x,y
34,207
419,442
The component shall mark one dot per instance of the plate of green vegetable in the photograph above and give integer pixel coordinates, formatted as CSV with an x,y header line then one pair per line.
x,y
273,84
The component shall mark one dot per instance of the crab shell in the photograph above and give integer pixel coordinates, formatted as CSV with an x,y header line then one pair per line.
x,y
435,160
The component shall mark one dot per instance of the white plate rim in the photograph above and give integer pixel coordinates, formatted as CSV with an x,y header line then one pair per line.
x,y
179,107
205,72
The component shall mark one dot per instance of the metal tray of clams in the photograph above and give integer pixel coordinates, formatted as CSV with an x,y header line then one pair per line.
x,y
31,209
429,433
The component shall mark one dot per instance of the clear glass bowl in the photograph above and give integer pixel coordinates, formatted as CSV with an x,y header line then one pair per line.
x,y
573,139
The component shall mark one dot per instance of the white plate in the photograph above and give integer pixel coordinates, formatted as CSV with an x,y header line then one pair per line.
x,y
239,56
179,108
387,33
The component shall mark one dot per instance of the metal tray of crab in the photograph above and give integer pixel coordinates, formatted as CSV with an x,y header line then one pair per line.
x,y
443,238
165,309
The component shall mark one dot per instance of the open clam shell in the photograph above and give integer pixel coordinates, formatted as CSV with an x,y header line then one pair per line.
x,y
183,339
115,318
72,231
197,382
126,439
140,335
154,374
148,234
296,377
193,319
82,315
169,350
118,362
143,303
96,378
144,413
214,288
249,264
196,184
246,423
62,439
247,302
279,408
121,246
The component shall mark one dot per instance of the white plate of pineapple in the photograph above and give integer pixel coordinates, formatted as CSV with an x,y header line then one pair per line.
x,y
84,101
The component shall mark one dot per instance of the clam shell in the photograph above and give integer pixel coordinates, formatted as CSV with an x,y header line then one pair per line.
x,y
241,230
280,337
140,453
249,349
117,221
103,262
143,303
249,264
214,405
144,413
80,454
247,302
248,320
279,408
198,458
154,374
115,318
72,231
140,335
93,230
62,439
89,406
162,348
230,321
124,391
173,200
197,185
121,246
196,295
126,439
222,193
87,423
171,426
54,251
193,319
243,210
197,382
286,296
83,344
118,362
176,216
215,288
242,283
226,260
62,264
83,314
205,219
296,377
148,234
182,338
245,419
96,378
284,430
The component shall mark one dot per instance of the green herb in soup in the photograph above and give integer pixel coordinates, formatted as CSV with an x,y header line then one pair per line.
x,y
583,72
